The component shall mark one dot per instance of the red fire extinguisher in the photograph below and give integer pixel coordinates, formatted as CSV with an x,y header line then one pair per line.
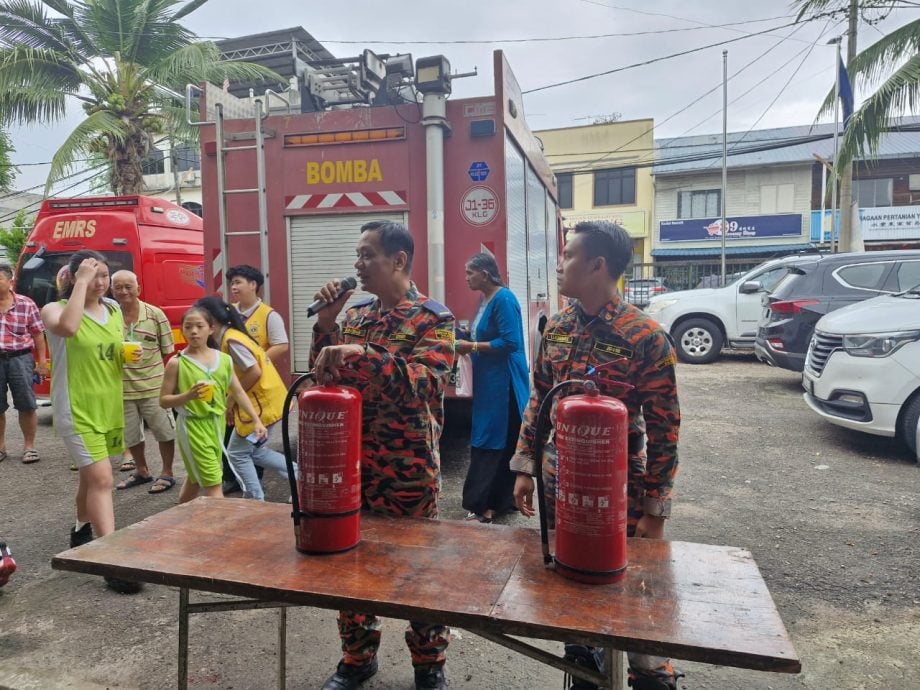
x,y
591,436
7,564
326,494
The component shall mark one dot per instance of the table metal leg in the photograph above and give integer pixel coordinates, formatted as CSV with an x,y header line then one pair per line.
x,y
615,668
183,638
282,648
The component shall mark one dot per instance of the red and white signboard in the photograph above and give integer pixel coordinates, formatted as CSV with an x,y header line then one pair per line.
x,y
479,206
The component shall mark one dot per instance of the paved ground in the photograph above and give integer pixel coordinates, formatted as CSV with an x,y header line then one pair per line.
x,y
832,518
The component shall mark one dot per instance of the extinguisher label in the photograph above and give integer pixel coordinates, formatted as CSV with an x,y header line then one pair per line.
x,y
330,461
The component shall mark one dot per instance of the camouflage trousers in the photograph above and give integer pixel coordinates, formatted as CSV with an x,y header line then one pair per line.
x,y
640,665
360,632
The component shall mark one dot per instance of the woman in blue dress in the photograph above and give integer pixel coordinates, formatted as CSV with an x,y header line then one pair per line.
x,y
500,390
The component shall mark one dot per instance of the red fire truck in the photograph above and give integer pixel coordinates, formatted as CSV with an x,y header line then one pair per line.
x,y
287,191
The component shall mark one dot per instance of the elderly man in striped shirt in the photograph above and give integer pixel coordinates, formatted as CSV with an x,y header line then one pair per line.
x,y
147,325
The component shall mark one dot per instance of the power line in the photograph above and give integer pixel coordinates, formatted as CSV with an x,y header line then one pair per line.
x,y
783,88
750,89
654,60
701,97
544,39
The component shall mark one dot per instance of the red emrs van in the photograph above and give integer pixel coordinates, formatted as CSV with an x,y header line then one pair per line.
x,y
158,240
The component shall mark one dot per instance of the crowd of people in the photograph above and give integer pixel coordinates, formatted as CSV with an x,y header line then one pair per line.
x,y
397,348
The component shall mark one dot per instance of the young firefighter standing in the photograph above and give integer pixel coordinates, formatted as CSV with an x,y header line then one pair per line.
x,y
598,329
397,350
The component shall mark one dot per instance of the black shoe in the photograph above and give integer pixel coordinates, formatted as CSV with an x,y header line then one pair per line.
x,y
79,537
432,679
349,676
123,586
651,684
230,487
590,658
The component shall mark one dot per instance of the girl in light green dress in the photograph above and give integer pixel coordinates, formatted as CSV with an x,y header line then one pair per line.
x,y
197,382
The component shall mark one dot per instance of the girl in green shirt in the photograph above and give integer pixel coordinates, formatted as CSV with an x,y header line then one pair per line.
x,y
197,382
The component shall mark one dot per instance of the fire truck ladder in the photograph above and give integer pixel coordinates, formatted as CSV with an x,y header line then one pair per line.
x,y
223,106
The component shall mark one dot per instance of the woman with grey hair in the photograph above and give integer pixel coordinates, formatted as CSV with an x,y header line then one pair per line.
x,y
500,390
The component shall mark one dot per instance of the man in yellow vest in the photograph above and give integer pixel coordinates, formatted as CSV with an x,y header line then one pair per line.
x,y
263,323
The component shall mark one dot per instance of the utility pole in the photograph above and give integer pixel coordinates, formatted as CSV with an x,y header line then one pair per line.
x,y
724,228
846,174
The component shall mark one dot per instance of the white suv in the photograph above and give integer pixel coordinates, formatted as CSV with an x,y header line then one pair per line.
x,y
862,370
704,320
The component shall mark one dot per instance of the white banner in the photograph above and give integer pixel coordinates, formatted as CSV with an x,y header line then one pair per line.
x,y
890,223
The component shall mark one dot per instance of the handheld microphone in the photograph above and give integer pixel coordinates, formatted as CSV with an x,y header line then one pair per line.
x,y
346,284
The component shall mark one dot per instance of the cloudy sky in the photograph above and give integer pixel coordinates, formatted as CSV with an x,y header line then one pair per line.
x,y
782,75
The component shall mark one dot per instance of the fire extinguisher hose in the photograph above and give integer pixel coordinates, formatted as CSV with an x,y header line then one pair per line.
x,y
541,431
286,442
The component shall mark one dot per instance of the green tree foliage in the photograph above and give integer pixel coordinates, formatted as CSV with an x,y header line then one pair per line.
x,y
889,69
13,237
8,171
111,55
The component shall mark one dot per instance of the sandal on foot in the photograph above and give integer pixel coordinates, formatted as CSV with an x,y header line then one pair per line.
x,y
134,479
162,484
30,456
127,466
3,455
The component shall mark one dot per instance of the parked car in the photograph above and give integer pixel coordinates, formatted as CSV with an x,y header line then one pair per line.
x,y
640,290
862,370
714,280
705,320
817,287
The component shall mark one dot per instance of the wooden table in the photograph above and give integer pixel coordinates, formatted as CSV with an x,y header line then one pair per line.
x,y
687,601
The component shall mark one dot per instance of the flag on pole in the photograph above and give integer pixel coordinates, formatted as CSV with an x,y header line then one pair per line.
x,y
846,92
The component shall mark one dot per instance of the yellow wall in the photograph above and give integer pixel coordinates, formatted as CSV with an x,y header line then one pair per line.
x,y
584,149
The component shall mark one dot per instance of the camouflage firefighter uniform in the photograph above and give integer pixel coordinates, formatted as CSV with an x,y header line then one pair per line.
x,y
643,357
409,352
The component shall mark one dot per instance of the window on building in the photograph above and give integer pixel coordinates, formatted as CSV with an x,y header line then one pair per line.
x,y
777,198
870,193
705,203
564,181
154,163
187,158
615,187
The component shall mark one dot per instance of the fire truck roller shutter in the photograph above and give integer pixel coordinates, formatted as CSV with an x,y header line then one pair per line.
x,y
320,248
516,205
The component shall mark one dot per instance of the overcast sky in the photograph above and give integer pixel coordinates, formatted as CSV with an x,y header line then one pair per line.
x,y
793,63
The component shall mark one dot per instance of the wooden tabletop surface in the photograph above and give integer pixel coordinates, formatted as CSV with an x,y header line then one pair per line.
x,y
688,601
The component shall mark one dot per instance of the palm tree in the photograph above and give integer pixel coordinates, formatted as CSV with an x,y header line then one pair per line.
x,y
890,66
111,55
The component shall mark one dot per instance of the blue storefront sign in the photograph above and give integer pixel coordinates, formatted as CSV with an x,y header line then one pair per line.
x,y
739,227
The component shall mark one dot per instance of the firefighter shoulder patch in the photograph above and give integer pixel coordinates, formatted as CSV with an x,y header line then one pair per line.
x,y
437,308
669,361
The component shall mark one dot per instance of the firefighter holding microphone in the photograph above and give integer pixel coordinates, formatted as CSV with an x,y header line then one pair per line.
x,y
397,350
601,329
